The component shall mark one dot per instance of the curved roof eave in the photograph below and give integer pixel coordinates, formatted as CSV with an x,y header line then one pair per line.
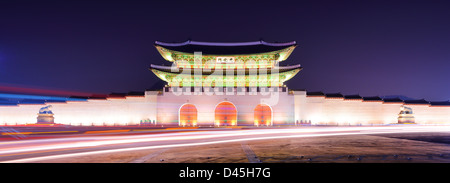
x,y
170,70
167,55
190,42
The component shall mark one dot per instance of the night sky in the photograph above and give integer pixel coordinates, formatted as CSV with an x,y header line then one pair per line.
x,y
371,48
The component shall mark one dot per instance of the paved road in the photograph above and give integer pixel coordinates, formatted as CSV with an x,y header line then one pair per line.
x,y
74,145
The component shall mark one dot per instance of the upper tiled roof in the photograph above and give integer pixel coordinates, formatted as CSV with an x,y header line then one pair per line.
x,y
391,100
422,101
210,48
315,93
352,97
374,98
334,95
440,103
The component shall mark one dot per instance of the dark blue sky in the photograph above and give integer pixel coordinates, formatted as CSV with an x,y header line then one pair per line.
x,y
353,47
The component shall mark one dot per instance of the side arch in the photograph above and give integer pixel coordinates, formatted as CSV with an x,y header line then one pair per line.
x,y
263,115
187,115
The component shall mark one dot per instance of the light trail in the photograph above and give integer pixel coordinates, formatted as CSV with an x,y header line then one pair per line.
x,y
174,139
101,140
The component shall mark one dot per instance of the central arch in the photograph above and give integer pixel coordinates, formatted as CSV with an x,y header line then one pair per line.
x,y
225,114
187,115
263,115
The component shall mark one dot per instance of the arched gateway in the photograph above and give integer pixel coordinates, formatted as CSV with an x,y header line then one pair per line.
x,y
187,115
225,114
251,65
263,115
